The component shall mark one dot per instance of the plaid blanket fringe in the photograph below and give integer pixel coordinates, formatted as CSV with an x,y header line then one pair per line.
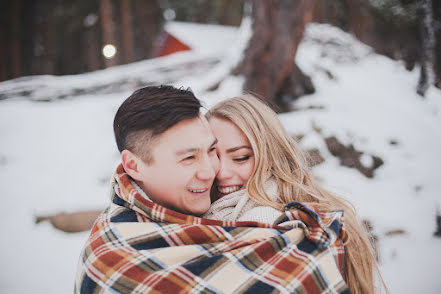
x,y
137,246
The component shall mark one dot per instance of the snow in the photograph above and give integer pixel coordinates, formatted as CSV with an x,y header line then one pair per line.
x,y
59,155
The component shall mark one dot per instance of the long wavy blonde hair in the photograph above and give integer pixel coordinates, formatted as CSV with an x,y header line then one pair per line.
x,y
277,155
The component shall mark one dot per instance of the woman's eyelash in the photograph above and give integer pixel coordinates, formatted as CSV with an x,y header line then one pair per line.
x,y
243,158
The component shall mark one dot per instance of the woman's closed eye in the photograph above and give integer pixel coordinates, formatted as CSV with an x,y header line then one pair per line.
x,y
242,158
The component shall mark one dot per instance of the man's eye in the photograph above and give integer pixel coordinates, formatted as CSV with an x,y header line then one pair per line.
x,y
189,157
243,158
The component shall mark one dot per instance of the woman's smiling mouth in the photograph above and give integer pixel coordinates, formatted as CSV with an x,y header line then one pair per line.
x,y
228,189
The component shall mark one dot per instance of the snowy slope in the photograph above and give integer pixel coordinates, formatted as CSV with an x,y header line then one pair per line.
x,y
58,156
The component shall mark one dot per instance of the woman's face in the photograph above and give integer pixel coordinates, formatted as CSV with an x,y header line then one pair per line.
x,y
235,156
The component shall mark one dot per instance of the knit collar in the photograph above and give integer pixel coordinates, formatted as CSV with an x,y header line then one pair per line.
x,y
235,204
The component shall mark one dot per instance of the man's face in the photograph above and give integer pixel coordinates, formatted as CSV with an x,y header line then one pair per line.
x,y
183,168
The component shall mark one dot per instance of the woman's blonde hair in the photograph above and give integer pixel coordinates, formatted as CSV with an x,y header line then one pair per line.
x,y
277,155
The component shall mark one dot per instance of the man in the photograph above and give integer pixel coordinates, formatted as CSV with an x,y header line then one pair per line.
x,y
167,147
168,155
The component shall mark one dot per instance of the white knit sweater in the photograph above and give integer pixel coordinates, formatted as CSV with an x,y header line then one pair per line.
x,y
238,206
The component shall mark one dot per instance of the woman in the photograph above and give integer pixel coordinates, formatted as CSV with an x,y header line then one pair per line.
x,y
264,169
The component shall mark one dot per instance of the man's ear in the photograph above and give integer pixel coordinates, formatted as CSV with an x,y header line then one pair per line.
x,y
131,164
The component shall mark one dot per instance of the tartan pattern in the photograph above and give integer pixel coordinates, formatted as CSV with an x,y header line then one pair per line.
x,y
137,246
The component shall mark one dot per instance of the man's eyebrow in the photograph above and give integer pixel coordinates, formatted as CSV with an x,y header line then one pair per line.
x,y
238,148
193,149
188,150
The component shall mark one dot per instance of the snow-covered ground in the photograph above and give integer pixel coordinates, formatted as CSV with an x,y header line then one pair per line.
x,y
58,155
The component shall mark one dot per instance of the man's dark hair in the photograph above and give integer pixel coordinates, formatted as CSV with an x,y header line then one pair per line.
x,y
149,112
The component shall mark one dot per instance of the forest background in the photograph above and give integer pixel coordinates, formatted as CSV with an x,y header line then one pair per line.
x,y
367,115
60,37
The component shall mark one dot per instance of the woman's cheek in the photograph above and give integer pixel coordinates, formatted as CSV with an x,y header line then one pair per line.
x,y
246,170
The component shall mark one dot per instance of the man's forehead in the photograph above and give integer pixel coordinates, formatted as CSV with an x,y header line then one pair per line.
x,y
204,141
189,134
194,148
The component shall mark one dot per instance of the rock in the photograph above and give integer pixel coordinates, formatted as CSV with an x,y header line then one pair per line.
x,y
437,232
298,137
395,232
393,142
350,157
314,157
71,222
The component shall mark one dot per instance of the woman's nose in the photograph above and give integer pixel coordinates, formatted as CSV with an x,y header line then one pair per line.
x,y
207,170
225,171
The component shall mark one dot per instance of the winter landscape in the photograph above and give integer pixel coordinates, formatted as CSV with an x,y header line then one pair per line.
x,y
57,150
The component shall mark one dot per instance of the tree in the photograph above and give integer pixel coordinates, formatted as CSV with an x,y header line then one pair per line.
x,y
427,43
377,26
48,38
108,28
437,45
15,39
148,18
228,12
408,30
3,58
268,65
5,31
91,39
127,31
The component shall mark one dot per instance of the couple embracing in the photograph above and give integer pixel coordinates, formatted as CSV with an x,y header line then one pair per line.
x,y
221,203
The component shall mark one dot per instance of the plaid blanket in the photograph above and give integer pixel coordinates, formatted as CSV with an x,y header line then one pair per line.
x,y
137,246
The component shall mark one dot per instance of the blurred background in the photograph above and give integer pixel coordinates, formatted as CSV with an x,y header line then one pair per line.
x,y
356,82
68,37
60,37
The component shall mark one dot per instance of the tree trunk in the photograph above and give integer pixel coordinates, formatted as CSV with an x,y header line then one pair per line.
x,y
437,49
49,36
203,11
39,31
331,12
359,20
127,31
427,40
108,29
92,44
15,39
4,64
268,65
229,12
27,36
148,24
